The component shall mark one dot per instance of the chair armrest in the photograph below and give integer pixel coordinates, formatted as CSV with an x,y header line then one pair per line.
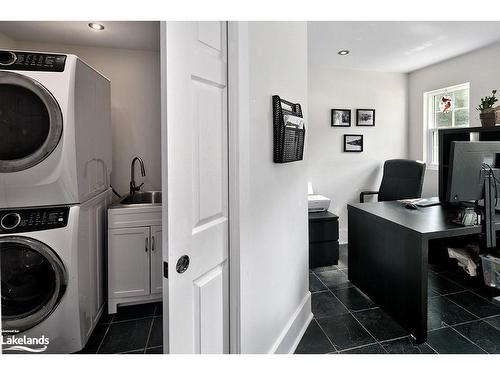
x,y
367,192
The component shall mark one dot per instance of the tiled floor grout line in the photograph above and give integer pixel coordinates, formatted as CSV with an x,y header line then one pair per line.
x,y
463,308
128,351
381,342
327,337
149,334
493,316
321,281
367,309
350,312
373,337
449,294
484,320
411,340
451,281
113,322
343,351
131,320
472,291
104,336
154,347
465,337
432,348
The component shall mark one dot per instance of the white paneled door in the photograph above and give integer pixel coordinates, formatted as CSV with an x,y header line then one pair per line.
x,y
197,185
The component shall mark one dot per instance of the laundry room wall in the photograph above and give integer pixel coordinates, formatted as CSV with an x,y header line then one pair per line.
x,y
135,105
6,42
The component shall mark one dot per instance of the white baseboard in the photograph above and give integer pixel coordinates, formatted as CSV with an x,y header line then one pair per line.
x,y
294,330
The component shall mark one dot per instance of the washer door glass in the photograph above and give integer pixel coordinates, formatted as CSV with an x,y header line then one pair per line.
x,y
33,282
30,122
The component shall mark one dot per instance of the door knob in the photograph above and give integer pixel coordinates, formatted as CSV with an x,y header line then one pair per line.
x,y
182,264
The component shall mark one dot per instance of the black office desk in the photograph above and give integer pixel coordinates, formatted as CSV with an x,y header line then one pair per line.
x,y
388,256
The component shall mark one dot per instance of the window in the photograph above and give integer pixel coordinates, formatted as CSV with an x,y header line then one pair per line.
x,y
441,115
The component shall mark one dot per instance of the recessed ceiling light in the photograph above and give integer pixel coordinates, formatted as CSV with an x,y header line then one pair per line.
x,y
96,26
343,52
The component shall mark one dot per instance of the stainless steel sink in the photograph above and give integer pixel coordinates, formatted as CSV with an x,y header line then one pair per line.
x,y
143,197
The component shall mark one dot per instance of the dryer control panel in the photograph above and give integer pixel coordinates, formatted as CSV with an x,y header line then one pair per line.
x,y
32,61
33,219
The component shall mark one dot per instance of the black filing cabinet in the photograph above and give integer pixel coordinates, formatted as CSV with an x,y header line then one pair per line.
x,y
323,239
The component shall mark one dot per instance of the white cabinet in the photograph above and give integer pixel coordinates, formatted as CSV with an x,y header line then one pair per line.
x,y
135,266
92,224
156,260
129,262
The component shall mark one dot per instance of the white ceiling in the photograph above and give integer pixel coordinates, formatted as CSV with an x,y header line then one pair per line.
x,y
395,46
142,35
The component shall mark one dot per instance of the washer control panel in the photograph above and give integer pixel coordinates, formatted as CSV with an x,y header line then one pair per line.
x,y
33,219
32,61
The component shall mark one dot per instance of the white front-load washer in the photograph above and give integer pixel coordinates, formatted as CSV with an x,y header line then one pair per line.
x,y
52,271
55,130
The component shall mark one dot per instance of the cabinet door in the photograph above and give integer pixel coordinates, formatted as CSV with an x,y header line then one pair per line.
x,y
128,259
156,260
98,220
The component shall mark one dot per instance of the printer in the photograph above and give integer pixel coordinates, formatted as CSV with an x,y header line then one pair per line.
x,y
316,202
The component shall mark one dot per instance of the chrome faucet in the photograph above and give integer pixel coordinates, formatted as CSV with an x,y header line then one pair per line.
x,y
133,187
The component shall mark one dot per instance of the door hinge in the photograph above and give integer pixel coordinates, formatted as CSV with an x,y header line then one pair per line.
x,y
165,270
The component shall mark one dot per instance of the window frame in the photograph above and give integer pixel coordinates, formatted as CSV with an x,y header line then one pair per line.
x,y
429,120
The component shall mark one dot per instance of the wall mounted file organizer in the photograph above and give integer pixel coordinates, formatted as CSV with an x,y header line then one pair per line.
x,y
288,137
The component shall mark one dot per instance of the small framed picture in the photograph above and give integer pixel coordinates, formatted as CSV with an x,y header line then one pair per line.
x,y
341,117
353,143
365,117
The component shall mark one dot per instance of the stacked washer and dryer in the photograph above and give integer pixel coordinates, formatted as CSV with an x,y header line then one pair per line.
x,y
55,166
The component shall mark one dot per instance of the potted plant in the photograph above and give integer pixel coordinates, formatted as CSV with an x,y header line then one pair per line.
x,y
487,114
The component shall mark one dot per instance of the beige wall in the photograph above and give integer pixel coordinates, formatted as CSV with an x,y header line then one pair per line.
x,y
135,105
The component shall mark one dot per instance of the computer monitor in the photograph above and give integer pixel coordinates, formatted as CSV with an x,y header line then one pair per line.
x,y
466,172
474,171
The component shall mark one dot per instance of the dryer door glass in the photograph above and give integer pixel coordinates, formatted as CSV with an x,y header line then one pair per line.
x,y
33,282
30,122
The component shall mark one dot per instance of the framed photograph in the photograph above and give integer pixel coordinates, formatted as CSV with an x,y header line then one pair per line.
x,y
365,117
353,143
341,117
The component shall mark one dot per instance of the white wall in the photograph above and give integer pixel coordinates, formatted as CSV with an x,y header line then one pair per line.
x,y
135,106
339,175
480,68
273,239
6,42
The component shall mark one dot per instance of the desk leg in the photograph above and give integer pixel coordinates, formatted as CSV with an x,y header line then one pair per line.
x,y
388,263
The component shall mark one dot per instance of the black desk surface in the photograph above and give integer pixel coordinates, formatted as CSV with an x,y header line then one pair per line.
x,y
433,221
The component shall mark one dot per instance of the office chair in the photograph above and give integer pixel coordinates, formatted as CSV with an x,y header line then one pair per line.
x,y
402,179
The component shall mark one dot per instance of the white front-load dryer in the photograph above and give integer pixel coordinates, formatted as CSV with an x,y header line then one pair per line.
x,y
55,130
52,271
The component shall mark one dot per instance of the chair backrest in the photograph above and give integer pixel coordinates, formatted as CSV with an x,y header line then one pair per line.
x,y
402,179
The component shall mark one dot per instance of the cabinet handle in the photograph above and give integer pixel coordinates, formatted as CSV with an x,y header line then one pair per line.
x,y
153,243
146,248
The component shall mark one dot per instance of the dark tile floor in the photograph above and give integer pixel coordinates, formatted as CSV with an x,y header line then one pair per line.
x,y
134,329
462,317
